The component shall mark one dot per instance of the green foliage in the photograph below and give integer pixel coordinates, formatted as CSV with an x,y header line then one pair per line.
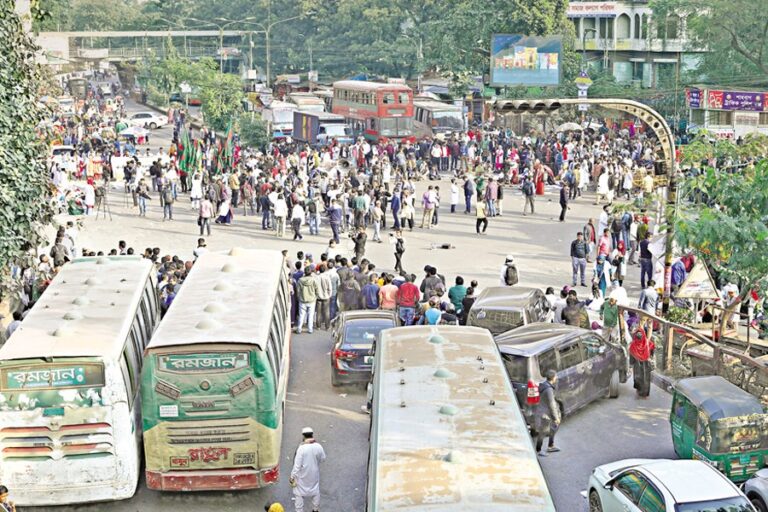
x,y
733,235
735,32
87,15
24,181
253,131
222,97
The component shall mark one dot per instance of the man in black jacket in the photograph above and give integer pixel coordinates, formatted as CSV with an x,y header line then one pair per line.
x,y
547,419
579,251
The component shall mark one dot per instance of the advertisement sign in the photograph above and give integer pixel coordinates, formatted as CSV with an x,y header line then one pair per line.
x,y
737,100
525,60
592,10
693,98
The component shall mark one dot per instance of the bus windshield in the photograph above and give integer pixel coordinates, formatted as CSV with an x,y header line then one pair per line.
x,y
449,119
41,385
336,130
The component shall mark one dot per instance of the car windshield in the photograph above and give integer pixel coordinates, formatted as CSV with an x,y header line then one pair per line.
x,y
517,367
735,504
449,119
364,332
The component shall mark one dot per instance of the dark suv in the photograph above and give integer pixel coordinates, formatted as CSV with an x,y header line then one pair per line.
x,y
501,308
354,333
588,367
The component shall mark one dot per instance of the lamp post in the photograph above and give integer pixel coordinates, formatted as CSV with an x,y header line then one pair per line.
x,y
180,25
583,47
267,29
221,28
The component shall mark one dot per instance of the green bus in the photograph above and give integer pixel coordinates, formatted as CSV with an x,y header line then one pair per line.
x,y
216,374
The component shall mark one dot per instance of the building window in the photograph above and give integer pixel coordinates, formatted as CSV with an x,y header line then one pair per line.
x,y
623,27
763,120
638,27
719,118
697,117
606,28
589,23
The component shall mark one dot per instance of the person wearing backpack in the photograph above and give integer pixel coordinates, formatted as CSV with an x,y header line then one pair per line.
x,y
528,193
167,195
510,276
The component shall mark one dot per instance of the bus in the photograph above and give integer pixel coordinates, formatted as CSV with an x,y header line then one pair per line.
x,y
374,110
279,117
70,429
307,102
216,376
433,118
446,431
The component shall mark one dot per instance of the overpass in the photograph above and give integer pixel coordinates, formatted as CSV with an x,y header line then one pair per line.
x,y
61,47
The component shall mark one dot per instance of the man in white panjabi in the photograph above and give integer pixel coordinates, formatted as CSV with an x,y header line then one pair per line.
x,y
305,475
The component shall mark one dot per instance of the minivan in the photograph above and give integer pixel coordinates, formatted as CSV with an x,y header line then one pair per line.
x,y
501,308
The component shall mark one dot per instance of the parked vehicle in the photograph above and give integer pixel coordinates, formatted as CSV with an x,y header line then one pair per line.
x,y
78,87
279,116
318,129
376,111
661,485
354,334
588,367
501,308
756,489
148,120
307,102
190,99
719,423
59,153
434,118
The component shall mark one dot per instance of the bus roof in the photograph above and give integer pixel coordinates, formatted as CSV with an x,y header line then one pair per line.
x,y
359,85
223,300
435,105
449,432
84,311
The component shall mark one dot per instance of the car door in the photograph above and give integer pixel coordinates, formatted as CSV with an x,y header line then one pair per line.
x,y
601,362
572,376
626,491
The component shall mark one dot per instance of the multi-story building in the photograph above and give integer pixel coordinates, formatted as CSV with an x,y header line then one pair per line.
x,y
624,38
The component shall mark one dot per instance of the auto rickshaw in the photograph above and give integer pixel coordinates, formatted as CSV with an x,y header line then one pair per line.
x,y
719,423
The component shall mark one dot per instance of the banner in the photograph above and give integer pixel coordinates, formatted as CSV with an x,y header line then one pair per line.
x,y
693,98
728,100
525,60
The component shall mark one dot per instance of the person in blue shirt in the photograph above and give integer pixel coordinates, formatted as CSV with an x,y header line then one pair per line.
x,y
371,293
432,314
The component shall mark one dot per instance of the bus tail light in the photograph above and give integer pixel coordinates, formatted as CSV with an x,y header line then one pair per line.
x,y
270,476
533,393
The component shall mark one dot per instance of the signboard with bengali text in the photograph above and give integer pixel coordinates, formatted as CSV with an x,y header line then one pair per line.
x,y
42,377
216,362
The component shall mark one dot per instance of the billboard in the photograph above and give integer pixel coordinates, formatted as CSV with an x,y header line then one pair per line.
x,y
525,60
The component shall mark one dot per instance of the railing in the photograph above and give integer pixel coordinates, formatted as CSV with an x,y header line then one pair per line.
x,y
148,52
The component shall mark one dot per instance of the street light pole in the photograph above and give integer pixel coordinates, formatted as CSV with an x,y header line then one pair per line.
x,y
583,47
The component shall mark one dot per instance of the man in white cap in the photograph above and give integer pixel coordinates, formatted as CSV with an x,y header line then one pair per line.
x,y
305,475
509,274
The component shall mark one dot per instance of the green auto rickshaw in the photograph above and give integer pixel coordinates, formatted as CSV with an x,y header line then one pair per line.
x,y
719,423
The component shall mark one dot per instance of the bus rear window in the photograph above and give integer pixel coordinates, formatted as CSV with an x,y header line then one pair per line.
x,y
51,376
217,362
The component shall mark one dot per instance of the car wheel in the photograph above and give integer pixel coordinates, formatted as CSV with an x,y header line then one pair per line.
x,y
594,502
153,125
613,386
335,379
758,503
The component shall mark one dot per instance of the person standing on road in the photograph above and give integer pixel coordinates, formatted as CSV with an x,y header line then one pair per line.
x,y
399,251
142,193
649,298
609,314
308,288
168,199
579,252
305,475
281,212
482,218
360,240
204,216
454,195
407,298
640,352
563,201
646,260
528,192
509,275
590,237
297,219
547,414
469,191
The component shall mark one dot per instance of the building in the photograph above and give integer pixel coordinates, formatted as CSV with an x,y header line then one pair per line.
x,y
624,38
727,114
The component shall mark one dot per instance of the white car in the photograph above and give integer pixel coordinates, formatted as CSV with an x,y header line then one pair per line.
x,y
148,120
756,489
661,485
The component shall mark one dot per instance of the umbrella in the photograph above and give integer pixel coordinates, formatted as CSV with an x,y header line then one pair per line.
x,y
135,131
569,127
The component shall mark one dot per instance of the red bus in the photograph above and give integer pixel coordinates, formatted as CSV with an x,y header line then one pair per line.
x,y
375,110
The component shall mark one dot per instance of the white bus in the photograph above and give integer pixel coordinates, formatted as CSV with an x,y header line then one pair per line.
x,y
70,430
216,375
432,118
446,431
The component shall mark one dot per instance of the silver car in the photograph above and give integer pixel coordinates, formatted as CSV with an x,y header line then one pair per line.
x,y
756,489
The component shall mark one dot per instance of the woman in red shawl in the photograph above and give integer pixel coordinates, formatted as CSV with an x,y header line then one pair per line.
x,y
640,353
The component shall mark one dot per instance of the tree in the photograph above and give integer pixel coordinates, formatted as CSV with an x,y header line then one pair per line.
x,y
730,231
253,132
222,97
735,33
25,186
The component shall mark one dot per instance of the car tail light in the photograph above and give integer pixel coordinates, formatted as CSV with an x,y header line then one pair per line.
x,y
533,393
343,355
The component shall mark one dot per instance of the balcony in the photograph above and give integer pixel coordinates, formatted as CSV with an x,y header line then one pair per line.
x,y
635,45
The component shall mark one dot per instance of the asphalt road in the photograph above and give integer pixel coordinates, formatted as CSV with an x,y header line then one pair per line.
x,y
605,431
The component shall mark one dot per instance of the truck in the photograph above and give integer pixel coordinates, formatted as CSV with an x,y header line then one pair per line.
x,y
318,128
279,116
